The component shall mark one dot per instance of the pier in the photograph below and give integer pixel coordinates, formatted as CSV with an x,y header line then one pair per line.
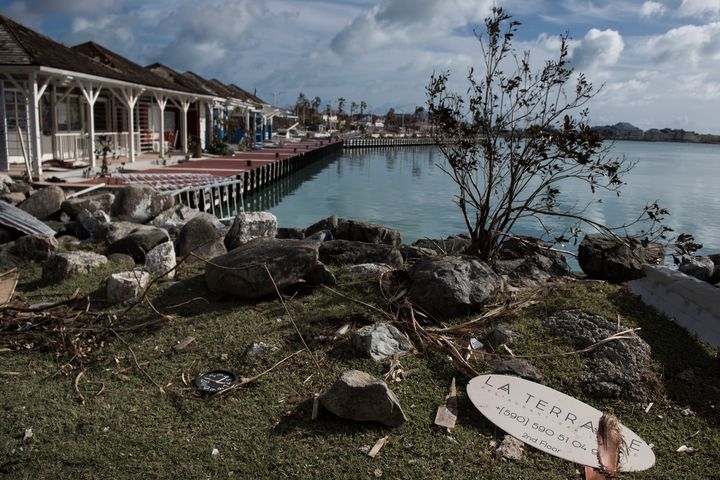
x,y
388,142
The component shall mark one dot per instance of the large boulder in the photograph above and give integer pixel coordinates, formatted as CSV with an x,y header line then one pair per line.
x,y
339,252
536,270
139,203
64,265
200,237
357,231
161,259
380,341
91,203
126,286
617,369
112,232
35,247
453,245
370,272
173,219
360,397
715,258
250,225
138,243
44,203
13,198
450,285
617,260
88,224
241,272
701,268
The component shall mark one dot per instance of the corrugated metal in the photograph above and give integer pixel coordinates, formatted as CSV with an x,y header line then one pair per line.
x,y
13,217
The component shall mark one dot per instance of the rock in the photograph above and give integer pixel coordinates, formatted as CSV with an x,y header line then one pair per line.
x,y
501,335
21,186
13,198
35,247
358,396
294,233
701,268
44,203
380,341
64,265
608,259
161,259
139,242
617,369
515,366
91,203
88,224
250,225
339,252
715,279
453,245
366,271
126,286
112,232
353,230
510,449
6,179
200,237
410,252
139,203
320,237
8,261
240,273
534,271
173,219
320,275
69,243
447,286
260,349
121,259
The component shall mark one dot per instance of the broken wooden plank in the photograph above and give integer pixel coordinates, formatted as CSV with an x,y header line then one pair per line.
x,y
447,414
377,447
8,282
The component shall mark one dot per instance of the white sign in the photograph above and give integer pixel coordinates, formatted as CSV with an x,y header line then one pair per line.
x,y
551,421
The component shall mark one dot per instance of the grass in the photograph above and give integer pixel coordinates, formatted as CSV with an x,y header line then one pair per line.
x,y
131,430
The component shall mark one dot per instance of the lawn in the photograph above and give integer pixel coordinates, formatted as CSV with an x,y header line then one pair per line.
x,y
128,428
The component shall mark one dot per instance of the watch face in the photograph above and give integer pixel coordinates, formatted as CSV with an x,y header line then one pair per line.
x,y
215,381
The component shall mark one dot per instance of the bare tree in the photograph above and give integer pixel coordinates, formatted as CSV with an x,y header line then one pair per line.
x,y
511,143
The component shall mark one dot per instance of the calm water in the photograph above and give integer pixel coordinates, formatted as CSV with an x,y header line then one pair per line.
x,y
405,189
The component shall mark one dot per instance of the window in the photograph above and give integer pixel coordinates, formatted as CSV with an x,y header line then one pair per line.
x,y
15,109
101,115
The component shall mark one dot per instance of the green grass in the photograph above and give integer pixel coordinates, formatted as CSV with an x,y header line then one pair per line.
x,y
130,430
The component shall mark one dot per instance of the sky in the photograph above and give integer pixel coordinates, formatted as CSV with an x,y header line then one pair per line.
x,y
657,60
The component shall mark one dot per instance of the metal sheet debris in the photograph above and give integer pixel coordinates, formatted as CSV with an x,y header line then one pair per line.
x,y
13,217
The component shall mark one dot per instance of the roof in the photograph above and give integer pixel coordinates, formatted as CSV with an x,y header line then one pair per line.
x,y
222,89
177,78
250,96
207,86
130,71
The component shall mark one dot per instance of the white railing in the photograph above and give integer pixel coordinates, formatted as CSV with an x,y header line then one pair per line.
x,y
75,145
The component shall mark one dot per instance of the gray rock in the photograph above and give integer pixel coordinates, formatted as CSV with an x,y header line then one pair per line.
x,y
715,279
250,225
35,247
161,259
139,203
44,203
88,224
353,230
358,396
510,449
339,252
288,232
69,243
13,198
173,219
380,341
535,271
126,286
21,186
200,237
139,243
447,286
240,273
8,261
515,366
260,349
501,335
366,271
91,203
453,245
320,275
701,268
112,232
617,369
410,252
320,237
6,180
121,259
64,265
608,259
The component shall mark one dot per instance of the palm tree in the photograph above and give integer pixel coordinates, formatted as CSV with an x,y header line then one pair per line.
x,y
363,106
316,108
353,108
341,105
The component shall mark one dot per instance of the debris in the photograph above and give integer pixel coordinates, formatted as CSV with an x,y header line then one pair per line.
x,y
342,331
692,436
316,406
647,410
378,473
381,340
377,447
687,412
476,344
508,350
183,344
13,217
28,434
293,399
687,450
259,349
447,414
500,336
510,449
395,372
215,452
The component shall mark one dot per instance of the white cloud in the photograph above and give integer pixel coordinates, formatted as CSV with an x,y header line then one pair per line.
x,y
687,44
700,8
651,8
598,48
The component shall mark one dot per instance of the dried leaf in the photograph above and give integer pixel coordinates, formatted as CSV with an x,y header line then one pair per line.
x,y
377,447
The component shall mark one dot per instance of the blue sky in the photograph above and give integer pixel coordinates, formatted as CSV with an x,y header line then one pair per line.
x,y
659,60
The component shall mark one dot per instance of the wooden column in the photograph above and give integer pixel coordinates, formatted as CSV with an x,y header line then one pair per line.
x,y
130,98
162,103
91,95
35,92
